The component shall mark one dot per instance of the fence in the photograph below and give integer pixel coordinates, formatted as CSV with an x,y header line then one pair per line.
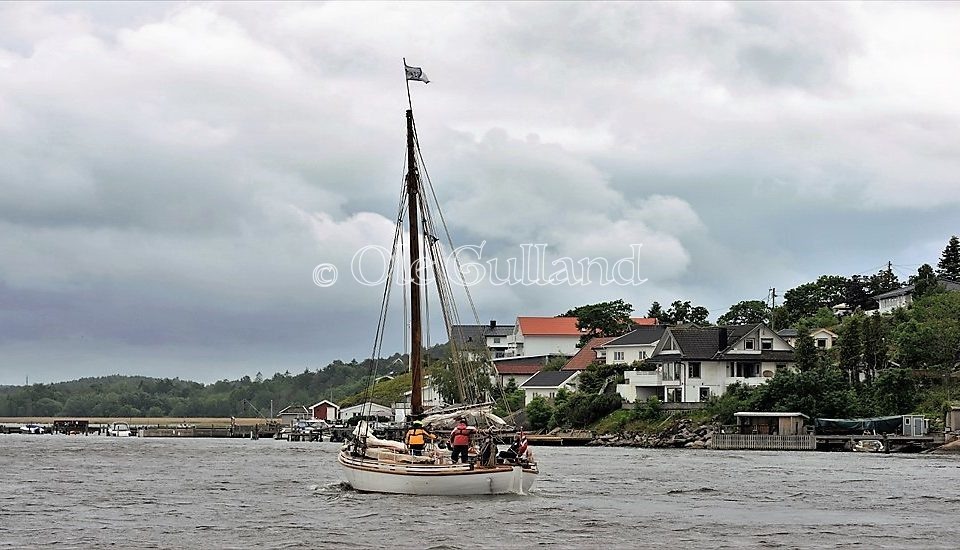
x,y
764,442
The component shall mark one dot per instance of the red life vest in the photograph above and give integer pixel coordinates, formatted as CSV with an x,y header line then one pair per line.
x,y
461,436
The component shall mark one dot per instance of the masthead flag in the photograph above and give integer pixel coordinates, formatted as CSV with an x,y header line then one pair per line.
x,y
416,73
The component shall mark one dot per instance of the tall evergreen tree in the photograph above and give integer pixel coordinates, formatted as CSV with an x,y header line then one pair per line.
x,y
949,264
924,282
851,348
874,345
806,352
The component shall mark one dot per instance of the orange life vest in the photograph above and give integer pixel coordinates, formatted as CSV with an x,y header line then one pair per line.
x,y
416,436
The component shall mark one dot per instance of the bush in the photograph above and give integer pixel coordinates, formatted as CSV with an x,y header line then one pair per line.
x,y
647,410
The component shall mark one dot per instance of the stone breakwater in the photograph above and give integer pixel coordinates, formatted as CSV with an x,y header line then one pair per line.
x,y
683,433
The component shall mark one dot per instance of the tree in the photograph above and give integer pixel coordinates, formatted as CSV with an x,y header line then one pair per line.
x,y
851,347
806,299
949,264
874,345
806,352
747,312
924,282
603,319
684,312
656,312
555,363
539,412
884,281
857,293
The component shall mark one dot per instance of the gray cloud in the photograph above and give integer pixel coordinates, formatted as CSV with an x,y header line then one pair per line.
x,y
171,173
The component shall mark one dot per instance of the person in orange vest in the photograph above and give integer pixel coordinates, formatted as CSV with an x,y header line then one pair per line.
x,y
460,439
416,438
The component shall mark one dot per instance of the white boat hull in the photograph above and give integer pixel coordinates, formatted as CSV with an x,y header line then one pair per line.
x,y
432,479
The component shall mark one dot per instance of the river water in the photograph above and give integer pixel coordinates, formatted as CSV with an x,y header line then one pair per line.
x,y
97,492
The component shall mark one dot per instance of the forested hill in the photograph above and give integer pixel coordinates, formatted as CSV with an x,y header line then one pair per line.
x,y
133,396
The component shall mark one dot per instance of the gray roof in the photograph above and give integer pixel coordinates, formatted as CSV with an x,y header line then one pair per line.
x,y
642,335
788,333
713,343
947,283
477,334
548,379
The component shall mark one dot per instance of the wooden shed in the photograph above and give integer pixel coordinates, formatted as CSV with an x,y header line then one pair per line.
x,y
772,423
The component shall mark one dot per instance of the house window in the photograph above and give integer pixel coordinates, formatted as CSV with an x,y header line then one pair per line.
x,y
748,343
618,356
693,370
822,343
643,355
704,393
766,343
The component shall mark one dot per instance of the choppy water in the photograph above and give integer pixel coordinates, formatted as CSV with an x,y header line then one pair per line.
x,y
97,492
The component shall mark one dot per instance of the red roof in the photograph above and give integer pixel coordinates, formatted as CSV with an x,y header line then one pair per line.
x,y
548,326
563,326
519,369
586,355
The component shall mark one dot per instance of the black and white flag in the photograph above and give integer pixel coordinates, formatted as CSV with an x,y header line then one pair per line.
x,y
416,73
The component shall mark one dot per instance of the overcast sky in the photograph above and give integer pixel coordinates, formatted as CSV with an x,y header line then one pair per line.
x,y
171,174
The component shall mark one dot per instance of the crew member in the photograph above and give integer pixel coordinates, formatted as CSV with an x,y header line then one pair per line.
x,y
460,439
416,438
517,449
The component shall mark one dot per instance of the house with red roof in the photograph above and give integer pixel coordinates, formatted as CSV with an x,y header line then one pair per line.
x,y
519,369
552,335
587,354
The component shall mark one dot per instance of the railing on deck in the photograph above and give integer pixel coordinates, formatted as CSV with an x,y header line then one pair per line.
x,y
763,442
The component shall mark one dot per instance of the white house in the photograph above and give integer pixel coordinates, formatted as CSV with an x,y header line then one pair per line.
x,y
903,297
638,345
497,339
518,369
547,383
289,415
545,336
430,398
324,410
551,335
693,363
365,409
823,339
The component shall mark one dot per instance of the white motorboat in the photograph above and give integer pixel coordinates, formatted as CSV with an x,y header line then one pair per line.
x,y
119,429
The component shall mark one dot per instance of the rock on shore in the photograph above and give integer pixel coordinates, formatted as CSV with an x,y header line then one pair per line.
x,y
678,433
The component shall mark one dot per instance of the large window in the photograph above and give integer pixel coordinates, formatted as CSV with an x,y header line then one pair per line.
x,y
766,343
704,393
693,370
617,356
743,370
821,343
749,343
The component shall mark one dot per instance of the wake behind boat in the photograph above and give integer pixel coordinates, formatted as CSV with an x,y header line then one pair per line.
x,y
426,468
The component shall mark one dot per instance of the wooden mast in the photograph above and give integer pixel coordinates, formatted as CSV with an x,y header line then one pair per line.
x,y
413,191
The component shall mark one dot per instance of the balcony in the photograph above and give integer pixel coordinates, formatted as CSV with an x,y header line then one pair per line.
x,y
649,378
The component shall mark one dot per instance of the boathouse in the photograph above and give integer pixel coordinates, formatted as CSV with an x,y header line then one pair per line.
x,y
773,431
324,410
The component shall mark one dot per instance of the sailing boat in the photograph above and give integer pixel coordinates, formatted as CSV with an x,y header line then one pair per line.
x,y
379,465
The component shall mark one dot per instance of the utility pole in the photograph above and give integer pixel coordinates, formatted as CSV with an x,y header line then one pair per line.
x,y
773,306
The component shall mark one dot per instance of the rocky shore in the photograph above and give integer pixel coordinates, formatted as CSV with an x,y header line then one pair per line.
x,y
682,433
